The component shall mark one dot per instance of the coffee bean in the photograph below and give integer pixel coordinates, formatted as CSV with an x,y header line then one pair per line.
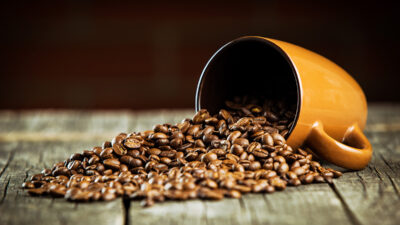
x,y
209,157
335,173
299,171
267,139
73,165
112,163
283,168
255,165
162,142
61,171
160,128
260,153
106,144
233,194
236,149
132,143
58,191
232,136
36,191
194,129
28,185
225,115
278,139
106,153
76,156
208,138
210,194
200,116
319,179
307,178
108,196
294,182
278,183
97,150
159,135
118,139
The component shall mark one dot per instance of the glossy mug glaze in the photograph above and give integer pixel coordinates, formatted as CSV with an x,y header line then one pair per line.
x,y
331,107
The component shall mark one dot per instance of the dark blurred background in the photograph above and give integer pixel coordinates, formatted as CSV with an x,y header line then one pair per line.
x,y
147,55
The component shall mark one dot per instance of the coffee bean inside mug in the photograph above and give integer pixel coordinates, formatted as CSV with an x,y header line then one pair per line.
x,y
240,149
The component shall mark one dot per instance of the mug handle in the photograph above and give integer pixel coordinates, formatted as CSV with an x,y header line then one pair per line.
x,y
340,154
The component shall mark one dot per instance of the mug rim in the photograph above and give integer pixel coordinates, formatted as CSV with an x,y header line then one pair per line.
x,y
267,41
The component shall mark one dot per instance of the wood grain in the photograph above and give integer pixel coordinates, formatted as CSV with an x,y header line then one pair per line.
x,y
32,140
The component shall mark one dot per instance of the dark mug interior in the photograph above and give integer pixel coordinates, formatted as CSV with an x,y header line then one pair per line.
x,y
249,66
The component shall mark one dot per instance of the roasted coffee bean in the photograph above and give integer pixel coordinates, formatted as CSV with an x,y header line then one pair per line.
x,y
335,173
159,135
267,139
118,139
46,172
278,183
61,171
106,153
200,116
162,141
73,165
132,143
233,194
232,136
210,194
254,165
236,149
209,157
176,142
76,156
307,178
259,187
252,146
194,129
160,128
225,115
58,191
97,150
242,142
208,138
106,144
294,182
112,163
299,171
260,153
28,185
283,168
37,191
93,160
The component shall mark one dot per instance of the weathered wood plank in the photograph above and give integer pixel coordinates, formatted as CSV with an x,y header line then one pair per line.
x,y
372,195
172,212
29,156
311,204
365,197
17,207
308,204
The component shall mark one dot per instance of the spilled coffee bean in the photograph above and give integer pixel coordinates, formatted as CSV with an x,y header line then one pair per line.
x,y
241,149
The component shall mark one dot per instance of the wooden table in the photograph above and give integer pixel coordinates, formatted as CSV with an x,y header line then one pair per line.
x,y
32,140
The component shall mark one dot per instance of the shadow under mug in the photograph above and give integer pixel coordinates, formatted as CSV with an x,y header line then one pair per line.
x,y
331,107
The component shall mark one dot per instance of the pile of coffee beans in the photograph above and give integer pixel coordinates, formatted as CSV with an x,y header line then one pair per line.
x,y
241,149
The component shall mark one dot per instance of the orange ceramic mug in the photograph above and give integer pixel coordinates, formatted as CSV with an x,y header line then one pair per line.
x,y
331,107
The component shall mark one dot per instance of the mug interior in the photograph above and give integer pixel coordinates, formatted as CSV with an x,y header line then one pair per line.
x,y
251,66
